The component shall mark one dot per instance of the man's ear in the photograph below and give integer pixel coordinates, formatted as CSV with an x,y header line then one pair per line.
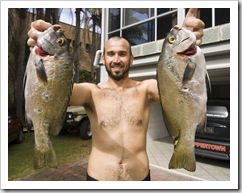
x,y
103,61
131,59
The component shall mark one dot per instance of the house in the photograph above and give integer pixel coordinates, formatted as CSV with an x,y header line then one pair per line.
x,y
85,38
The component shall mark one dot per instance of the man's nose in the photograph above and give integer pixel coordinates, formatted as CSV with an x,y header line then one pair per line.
x,y
116,58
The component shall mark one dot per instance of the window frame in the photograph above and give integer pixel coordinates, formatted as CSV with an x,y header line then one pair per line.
x,y
155,17
180,18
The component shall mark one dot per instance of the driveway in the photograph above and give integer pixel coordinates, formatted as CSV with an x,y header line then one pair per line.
x,y
77,172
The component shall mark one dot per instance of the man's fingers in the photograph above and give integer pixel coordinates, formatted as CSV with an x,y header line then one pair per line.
x,y
194,23
31,42
37,27
199,33
198,42
192,12
33,33
40,25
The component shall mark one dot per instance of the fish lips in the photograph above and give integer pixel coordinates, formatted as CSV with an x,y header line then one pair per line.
x,y
41,47
39,51
192,50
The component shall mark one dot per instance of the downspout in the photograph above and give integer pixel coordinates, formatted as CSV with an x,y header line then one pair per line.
x,y
97,59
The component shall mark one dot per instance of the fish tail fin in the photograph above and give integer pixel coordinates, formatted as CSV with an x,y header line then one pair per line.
x,y
44,153
43,158
183,159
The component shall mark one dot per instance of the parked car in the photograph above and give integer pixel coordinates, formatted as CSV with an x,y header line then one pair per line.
x,y
214,140
77,119
15,129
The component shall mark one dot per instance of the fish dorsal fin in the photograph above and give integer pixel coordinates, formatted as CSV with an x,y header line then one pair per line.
x,y
40,70
189,71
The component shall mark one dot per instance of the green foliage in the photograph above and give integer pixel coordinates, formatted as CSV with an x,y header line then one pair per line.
x,y
84,76
68,148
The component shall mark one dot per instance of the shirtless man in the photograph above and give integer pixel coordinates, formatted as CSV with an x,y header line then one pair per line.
x,y
118,110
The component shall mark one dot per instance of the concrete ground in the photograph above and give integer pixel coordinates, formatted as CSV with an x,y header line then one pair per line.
x,y
160,152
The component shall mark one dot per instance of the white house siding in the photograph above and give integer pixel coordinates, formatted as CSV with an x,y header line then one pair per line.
x,y
157,128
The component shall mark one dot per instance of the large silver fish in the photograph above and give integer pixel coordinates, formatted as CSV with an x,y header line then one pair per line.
x,y
182,82
49,77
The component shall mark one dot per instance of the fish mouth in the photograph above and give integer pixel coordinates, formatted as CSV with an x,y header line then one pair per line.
x,y
192,50
39,51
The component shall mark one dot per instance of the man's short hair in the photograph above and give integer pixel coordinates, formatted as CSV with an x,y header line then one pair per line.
x,y
118,38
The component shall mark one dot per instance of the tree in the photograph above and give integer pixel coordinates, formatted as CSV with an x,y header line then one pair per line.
x,y
16,58
12,61
21,63
96,18
76,54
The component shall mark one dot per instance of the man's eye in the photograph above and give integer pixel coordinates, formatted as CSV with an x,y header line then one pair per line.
x,y
122,54
110,54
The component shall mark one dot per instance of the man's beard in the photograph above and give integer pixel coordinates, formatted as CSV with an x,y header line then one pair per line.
x,y
117,76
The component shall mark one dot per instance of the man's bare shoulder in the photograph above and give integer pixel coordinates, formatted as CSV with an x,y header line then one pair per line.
x,y
86,85
102,85
152,89
81,93
149,82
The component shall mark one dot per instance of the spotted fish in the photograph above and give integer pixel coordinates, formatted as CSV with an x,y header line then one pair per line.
x,y
48,85
183,84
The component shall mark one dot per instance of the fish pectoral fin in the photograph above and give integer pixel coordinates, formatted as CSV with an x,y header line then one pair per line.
x,y
40,70
189,71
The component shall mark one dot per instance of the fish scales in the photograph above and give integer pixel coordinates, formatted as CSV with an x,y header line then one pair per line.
x,y
182,82
48,85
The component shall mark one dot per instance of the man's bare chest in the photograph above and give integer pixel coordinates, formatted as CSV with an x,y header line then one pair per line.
x,y
120,99
119,107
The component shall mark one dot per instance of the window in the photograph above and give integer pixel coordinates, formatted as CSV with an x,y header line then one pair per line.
x,y
88,47
214,16
165,23
134,15
140,34
142,25
222,16
114,19
205,14
139,25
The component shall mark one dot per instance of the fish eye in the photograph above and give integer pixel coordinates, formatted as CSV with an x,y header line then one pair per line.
x,y
60,41
172,39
